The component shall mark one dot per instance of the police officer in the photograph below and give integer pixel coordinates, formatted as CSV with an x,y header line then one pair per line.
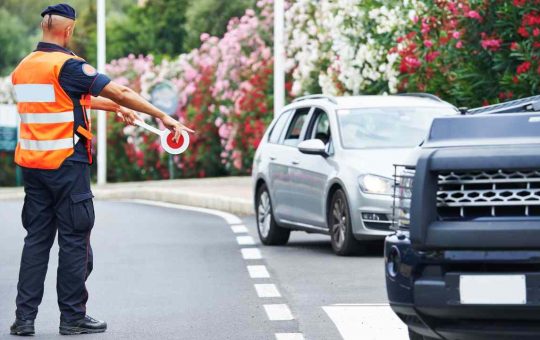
x,y
54,90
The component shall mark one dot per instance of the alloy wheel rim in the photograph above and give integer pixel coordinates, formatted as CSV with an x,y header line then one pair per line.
x,y
264,214
339,222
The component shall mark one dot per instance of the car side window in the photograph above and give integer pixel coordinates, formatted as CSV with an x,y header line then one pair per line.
x,y
321,128
294,130
277,129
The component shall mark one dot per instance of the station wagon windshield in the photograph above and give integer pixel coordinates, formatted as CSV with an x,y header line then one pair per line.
x,y
386,127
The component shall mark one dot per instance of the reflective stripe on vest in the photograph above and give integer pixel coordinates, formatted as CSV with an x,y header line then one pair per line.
x,y
35,93
47,118
46,111
46,145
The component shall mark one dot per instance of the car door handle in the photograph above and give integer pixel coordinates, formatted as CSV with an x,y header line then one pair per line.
x,y
295,163
272,158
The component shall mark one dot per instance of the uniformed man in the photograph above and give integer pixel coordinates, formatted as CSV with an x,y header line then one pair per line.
x,y
54,90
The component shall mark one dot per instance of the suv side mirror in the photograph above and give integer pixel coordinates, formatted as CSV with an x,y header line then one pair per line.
x,y
313,147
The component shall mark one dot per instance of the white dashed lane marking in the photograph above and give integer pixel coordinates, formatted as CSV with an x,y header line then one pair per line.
x,y
289,336
267,290
373,322
251,253
245,240
258,272
275,312
239,229
278,312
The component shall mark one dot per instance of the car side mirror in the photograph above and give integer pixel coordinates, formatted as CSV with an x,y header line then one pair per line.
x,y
313,147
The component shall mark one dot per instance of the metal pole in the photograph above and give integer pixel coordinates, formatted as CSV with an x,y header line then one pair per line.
x,y
279,55
102,117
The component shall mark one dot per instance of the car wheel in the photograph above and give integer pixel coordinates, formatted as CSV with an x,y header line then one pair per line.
x,y
339,221
270,233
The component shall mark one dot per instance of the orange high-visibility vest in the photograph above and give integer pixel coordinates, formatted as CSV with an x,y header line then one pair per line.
x,y
47,135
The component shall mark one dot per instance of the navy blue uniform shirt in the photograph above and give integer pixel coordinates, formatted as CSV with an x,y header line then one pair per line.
x,y
77,79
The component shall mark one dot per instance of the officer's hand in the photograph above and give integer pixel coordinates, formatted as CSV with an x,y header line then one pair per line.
x,y
175,126
127,115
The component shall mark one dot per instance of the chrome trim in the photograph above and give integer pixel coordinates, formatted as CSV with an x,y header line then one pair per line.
x,y
488,189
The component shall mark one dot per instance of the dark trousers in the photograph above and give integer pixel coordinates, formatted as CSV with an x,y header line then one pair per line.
x,y
56,200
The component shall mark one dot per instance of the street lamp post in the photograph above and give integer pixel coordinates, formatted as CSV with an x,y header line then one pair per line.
x,y
279,55
102,118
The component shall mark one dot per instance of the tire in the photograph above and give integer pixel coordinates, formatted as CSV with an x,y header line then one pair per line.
x,y
270,233
340,226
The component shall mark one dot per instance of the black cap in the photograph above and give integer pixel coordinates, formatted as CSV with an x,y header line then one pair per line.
x,y
63,10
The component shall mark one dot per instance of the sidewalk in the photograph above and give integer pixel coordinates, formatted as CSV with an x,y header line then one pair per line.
x,y
231,194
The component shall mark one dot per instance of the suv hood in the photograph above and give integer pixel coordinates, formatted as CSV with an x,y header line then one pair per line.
x,y
484,130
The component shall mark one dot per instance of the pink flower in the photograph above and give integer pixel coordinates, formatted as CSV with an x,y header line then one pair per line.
x,y
432,56
459,44
456,35
491,44
204,37
474,15
428,43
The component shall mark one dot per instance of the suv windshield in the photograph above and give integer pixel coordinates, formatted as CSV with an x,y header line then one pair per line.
x,y
386,127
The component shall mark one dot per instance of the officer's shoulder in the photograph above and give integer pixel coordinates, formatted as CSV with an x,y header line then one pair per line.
x,y
79,65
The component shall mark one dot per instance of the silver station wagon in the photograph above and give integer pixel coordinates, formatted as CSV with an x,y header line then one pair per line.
x,y
325,165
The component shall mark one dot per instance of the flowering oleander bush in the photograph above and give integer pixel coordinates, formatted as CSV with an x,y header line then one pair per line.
x,y
225,95
6,91
473,52
343,47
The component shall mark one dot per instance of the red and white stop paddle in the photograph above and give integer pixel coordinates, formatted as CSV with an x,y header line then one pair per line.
x,y
166,137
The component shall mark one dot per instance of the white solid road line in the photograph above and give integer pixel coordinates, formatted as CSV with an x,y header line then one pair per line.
x,y
289,336
229,218
372,321
278,312
245,240
267,290
251,253
258,272
239,229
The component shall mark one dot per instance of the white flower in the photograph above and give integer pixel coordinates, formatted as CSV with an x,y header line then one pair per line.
x,y
341,33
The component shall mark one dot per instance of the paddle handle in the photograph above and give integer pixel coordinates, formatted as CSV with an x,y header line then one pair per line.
x,y
148,127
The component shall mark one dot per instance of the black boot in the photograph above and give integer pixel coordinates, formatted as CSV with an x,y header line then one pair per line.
x,y
22,327
83,326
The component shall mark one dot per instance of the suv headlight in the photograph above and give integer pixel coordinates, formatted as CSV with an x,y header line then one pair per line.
x,y
404,178
373,184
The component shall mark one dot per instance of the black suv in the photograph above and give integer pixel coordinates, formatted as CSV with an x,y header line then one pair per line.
x,y
464,262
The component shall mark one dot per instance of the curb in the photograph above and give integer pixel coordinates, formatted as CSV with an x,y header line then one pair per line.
x,y
239,206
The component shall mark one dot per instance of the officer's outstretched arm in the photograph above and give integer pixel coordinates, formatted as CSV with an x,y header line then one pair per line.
x,y
125,96
101,103
127,115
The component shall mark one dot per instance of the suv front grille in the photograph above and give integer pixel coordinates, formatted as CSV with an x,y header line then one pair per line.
x,y
493,193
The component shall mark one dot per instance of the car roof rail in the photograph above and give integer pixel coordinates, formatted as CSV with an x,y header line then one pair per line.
x,y
420,95
316,96
528,104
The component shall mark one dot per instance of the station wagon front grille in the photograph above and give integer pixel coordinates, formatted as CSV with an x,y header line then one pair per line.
x,y
493,193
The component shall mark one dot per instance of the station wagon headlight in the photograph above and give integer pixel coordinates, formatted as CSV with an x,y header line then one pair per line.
x,y
373,184
402,198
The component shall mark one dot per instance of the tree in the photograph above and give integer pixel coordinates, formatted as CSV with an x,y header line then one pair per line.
x,y
14,41
221,12
157,28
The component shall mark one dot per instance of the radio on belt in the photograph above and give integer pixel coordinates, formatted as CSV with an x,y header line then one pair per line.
x,y
166,138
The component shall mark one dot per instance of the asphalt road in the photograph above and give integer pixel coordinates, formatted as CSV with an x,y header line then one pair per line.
x,y
178,274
